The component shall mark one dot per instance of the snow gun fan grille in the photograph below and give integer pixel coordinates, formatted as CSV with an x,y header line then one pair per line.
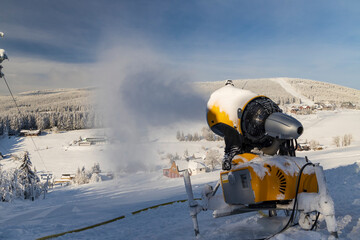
x,y
282,180
254,117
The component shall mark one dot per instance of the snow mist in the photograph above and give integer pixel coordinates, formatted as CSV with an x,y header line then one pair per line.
x,y
141,91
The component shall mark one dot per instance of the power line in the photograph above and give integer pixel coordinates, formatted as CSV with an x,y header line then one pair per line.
x,y
22,116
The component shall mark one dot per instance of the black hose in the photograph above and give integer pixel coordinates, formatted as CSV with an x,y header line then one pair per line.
x,y
315,223
291,219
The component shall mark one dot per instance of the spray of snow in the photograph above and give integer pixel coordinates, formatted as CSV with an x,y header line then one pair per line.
x,y
141,90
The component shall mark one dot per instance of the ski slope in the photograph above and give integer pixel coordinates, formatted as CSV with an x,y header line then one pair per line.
x,y
287,86
74,207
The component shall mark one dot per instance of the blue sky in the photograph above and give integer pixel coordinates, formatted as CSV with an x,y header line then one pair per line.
x,y
53,44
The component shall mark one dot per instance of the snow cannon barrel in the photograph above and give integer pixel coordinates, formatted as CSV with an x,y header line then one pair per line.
x,y
282,126
253,120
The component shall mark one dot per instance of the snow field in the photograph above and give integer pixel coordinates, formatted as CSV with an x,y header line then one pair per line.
x,y
76,207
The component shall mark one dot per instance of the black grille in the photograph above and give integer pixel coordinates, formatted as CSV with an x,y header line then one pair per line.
x,y
282,180
254,116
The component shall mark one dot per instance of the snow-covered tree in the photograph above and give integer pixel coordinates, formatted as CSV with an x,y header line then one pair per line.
x,y
20,182
96,168
347,139
28,179
81,176
336,141
314,144
186,154
196,137
212,159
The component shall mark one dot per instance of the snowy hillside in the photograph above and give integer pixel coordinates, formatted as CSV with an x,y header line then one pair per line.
x,y
279,89
74,207
62,108
325,92
72,109
290,90
46,100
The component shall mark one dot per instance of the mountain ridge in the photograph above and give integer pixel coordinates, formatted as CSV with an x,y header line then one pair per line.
x,y
311,90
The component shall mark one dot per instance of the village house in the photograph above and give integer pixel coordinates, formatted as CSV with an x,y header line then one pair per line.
x,y
177,168
172,172
27,133
91,141
348,105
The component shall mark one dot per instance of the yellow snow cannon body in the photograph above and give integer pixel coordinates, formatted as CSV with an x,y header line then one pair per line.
x,y
256,179
265,173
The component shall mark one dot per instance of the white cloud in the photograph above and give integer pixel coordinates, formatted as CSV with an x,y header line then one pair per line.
x,y
25,74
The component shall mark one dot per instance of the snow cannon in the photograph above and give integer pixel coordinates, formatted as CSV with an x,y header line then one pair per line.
x,y
272,179
3,55
254,120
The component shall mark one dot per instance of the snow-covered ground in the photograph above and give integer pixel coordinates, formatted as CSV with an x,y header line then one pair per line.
x,y
74,207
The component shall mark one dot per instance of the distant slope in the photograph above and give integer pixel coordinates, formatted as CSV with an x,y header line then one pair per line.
x,y
289,90
292,90
281,90
325,92
46,100
62,108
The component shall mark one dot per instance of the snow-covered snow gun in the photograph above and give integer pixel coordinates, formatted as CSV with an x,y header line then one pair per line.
x,y
265,173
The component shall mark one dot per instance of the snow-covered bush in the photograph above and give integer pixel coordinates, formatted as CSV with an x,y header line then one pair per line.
x,y
346,140
83,177
336,141
95,177
314,145
172,157
212,159
96,168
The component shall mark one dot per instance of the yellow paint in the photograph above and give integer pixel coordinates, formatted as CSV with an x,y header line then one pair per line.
x,y
244,157
215,116
269,187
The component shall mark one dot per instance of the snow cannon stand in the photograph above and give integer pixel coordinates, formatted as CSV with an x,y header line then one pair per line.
x,y
269,183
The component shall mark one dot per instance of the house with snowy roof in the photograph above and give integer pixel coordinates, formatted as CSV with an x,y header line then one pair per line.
x,y
177,168
196,167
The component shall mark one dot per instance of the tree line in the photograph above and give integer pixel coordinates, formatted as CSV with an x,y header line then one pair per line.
x,y
206,134
65,109
65,120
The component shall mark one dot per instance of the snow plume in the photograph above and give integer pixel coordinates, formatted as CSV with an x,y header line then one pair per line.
x,y
142,91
